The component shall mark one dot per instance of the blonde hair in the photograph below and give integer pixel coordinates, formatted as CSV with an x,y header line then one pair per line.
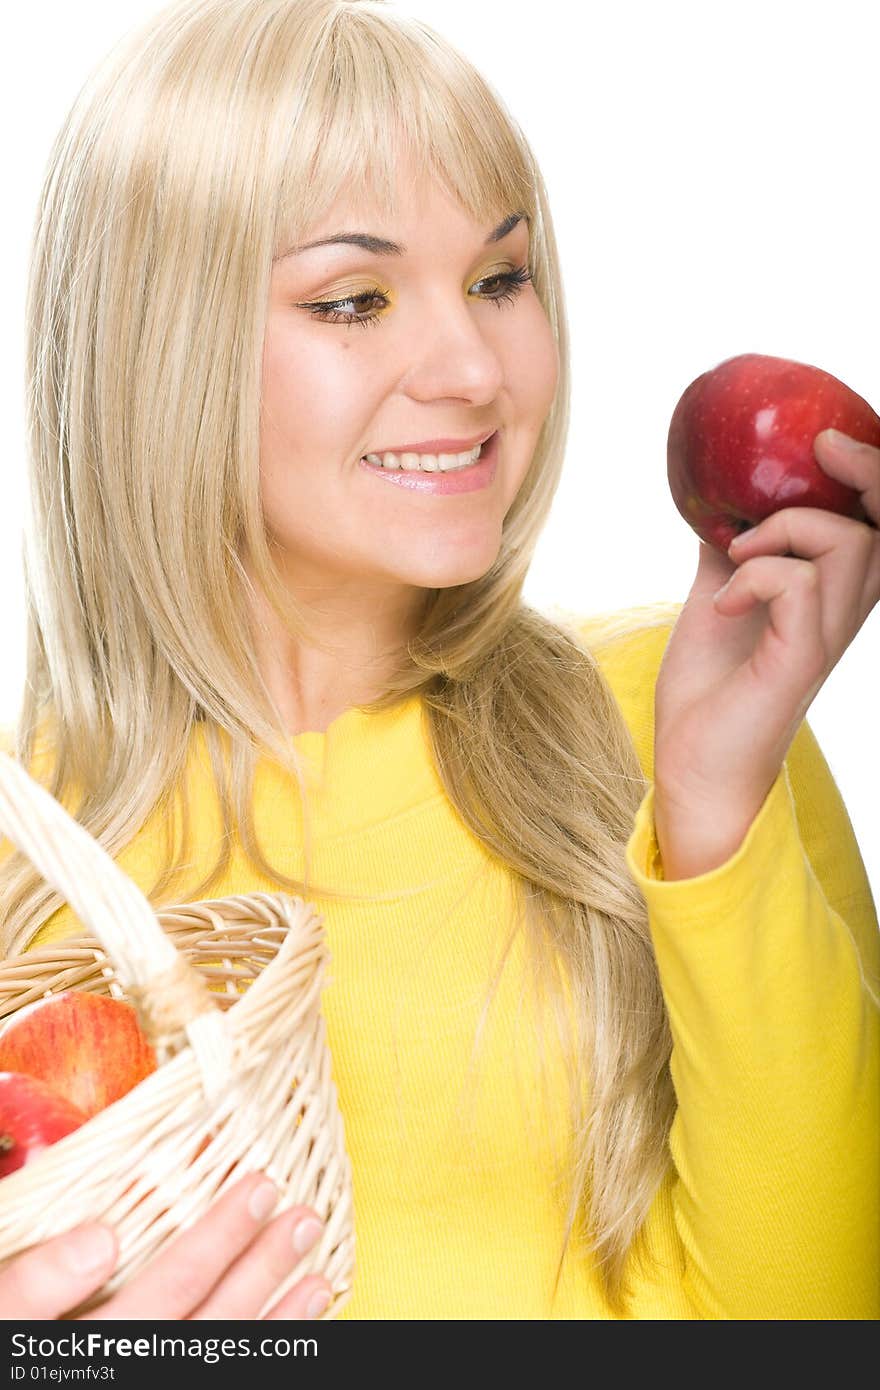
x,y
205,145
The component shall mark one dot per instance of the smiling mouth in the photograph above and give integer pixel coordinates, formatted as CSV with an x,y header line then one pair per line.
x,y
429,463
470,476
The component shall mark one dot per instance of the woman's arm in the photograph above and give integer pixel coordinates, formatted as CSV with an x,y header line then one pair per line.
x,y
776,1057
774,1023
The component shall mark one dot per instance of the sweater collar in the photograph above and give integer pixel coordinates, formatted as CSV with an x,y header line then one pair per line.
x,y
364,769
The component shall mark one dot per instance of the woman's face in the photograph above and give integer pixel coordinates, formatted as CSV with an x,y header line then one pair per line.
x,y
446,358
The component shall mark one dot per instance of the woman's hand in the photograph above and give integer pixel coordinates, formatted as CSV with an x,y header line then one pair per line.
x,y
743,665
223,1266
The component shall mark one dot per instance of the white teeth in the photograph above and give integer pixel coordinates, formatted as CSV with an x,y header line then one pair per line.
x,y
426,463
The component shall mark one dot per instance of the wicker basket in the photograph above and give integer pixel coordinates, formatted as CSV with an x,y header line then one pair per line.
x,y
229,991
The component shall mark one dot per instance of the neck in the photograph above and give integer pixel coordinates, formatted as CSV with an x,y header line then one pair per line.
x,y
358,629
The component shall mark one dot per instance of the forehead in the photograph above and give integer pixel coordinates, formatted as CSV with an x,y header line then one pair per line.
x,y
408,203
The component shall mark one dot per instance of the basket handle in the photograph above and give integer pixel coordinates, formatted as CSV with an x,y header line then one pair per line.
x,y
167,992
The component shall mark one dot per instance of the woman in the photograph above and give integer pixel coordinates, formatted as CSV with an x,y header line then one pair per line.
x,y
237,595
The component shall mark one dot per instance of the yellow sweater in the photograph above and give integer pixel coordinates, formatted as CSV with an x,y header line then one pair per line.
x,y
771,1209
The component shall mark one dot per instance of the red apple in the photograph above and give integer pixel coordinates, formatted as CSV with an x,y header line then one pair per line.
x,y
740,444
32,1116
88,1047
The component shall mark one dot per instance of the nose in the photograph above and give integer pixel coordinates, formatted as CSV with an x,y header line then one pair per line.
x,y
457,357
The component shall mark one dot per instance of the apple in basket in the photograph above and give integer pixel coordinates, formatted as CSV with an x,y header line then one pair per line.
x,y
32,1116
740,444
89,1048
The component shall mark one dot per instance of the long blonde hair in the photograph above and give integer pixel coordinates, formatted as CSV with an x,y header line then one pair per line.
x,y
205,145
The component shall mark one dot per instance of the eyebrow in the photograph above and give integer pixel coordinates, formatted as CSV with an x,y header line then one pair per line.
x,y
380,247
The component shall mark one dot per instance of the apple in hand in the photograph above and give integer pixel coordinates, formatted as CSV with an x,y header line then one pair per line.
x,y
740,444
88,1047
32,1116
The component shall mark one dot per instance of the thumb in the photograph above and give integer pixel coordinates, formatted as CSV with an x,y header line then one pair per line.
x,y
713,570
50,1278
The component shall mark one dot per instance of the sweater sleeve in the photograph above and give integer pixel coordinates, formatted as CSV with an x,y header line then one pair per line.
x,y
769,968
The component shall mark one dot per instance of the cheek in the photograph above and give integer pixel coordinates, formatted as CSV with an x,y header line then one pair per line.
x,y
533,367
310,391
290,411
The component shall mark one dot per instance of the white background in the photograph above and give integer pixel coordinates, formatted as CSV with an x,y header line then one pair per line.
x,y
712,170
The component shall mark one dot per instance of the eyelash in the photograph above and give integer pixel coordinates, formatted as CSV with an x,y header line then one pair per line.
x,y
327,311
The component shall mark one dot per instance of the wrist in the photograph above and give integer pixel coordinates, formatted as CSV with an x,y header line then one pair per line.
x,y
693,844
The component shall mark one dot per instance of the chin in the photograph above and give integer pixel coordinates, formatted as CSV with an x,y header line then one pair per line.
x,y
448,566
451,575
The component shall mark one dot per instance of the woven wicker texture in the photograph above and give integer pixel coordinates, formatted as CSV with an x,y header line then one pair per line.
x,y
229,990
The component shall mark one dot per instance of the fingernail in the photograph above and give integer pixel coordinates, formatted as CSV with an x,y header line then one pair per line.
x,y
305,1234
262,1200
88,1250
318,1303
841,441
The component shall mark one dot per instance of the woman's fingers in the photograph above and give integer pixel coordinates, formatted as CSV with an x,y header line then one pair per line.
x,y
183,1278
791,590
846,554
226,1265
309,1299
855,463
272,1257
176,1281
45,1282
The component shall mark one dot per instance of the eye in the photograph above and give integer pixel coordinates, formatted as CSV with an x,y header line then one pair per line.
x,y
329,310
511,282
508,283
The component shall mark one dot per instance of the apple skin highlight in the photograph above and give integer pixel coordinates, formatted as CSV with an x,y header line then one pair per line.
x,y
740,444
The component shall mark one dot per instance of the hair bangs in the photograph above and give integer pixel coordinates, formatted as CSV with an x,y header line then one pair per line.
x,y
382,92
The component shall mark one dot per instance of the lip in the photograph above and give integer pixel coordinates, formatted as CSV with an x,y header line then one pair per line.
x,y
435,446
470,479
